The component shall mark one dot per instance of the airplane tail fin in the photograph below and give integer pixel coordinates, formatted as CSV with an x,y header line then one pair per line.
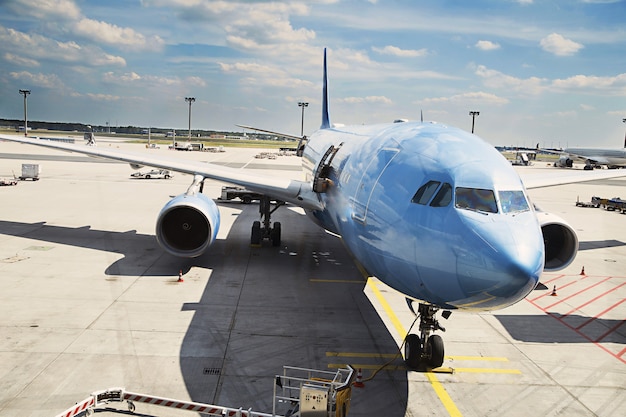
x,y
325,115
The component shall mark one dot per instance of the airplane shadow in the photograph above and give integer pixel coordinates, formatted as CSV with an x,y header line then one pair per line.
x,y
301,304
598,244
553,328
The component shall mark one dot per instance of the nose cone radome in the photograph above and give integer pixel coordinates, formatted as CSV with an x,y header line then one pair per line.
x,y
503,262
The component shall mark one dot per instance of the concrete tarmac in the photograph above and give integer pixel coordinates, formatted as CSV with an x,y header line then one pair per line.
x,y
88,301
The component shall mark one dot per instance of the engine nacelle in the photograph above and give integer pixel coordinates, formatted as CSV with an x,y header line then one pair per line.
x,y
559,239
187,225
564,162
136,166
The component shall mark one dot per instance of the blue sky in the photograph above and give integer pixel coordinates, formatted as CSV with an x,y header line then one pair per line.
x,y
552,72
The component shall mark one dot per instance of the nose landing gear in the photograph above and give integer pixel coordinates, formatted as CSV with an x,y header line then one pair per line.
x,y
425,350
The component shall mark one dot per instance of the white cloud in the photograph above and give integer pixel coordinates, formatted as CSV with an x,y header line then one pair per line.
x,y
115,35
102,97
588,84
38,47
395,51
487,45
368,99
471,97
247,67
615,85
40,80
497,80
560,46
20,60
45,9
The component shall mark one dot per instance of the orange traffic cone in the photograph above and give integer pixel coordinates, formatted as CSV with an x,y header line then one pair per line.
x,y
359,380
180,276
553,294
582,271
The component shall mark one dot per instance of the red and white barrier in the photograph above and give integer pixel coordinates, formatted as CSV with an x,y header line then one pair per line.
x,y
119,394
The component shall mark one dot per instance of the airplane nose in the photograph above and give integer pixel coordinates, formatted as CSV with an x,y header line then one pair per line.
x,y
503,261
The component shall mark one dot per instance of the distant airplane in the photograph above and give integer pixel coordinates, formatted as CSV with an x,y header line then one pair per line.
x,y
432,211
592,157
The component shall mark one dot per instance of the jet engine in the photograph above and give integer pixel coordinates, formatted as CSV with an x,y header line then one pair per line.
x,y
564,162
187,225
559,239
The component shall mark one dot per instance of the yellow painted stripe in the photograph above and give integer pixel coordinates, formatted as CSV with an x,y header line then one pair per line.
x,y
443,395
478,358
367,366
488,371
394,319
393,355
362,355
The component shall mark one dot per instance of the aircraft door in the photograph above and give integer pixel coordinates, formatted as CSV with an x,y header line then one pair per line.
x,y
370,177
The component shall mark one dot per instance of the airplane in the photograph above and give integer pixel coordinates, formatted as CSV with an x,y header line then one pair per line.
x,y
432,211
592,157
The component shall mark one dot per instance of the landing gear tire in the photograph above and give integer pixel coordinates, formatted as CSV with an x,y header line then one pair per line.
x,y
434,351
275,234
412,351
256,235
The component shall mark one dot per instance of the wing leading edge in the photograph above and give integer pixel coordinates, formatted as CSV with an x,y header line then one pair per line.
x,y
296,192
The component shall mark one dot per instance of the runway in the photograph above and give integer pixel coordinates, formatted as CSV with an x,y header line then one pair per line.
x,y
89,301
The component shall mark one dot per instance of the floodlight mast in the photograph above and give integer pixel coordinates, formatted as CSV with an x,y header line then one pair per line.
x,y
303,105
190,100
25,93
624,121
474,114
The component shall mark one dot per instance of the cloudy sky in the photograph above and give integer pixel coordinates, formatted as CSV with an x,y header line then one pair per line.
x,y
548,71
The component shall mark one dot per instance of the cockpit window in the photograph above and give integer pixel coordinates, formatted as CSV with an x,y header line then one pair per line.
x,y
513,201
425,192
443,197
476,199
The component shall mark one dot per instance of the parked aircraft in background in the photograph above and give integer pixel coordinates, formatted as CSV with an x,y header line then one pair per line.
x,y
592,157
432,211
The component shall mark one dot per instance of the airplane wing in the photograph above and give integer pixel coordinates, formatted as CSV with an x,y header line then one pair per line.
x,y
539,179
296,192
596,159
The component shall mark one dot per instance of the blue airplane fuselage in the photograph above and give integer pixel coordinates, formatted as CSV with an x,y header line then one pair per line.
x,y
441,252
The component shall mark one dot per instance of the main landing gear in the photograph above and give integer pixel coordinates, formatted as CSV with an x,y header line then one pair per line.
x,y
266,231
425,350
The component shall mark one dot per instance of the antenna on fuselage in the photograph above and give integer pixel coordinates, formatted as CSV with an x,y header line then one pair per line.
x,y
421,116
325,115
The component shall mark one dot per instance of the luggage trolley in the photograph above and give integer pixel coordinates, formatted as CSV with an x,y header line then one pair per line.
x,y
314,393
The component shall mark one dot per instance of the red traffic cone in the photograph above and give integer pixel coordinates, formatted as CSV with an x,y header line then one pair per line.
x,y
359,380
582,271
180,276
553,294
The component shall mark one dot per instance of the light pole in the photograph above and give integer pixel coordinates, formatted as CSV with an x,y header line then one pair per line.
x,y
303,105
474,114
25,93
190,100
624,121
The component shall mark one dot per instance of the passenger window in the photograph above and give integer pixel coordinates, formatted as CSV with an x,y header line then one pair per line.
x,y
426,191
476,199
443,197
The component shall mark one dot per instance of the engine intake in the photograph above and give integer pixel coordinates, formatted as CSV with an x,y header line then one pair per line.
x,y
187,225
560,241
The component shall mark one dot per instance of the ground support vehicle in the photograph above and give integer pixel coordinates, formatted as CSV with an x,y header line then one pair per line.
x,y
4,182
30,171
155,173
246,196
